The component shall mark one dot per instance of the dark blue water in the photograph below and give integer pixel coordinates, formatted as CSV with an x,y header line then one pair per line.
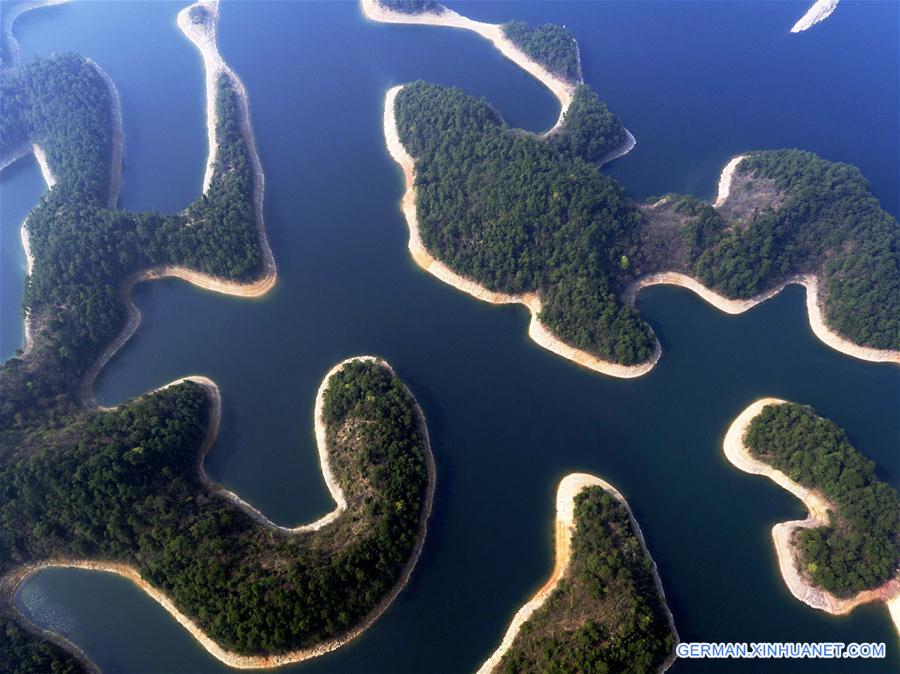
x,y
696,83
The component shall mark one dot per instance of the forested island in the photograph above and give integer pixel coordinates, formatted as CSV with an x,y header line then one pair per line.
x,y
606,612
859,547
120,490
122,487
517,213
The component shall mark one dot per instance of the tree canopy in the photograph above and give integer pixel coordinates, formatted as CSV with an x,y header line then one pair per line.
x,y
84,251
123,486
859,549
606,614
520,213
550,45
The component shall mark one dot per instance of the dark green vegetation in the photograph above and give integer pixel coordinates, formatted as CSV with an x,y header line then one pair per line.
x,y
550,45
590,130
518,213
123,486
828,224
84,251
860,548
606,614
23,653
413,6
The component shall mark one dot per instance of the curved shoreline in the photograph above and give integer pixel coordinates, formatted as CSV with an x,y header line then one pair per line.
x,y
818,507
118,139
819,11
536,330
563,90
737,306
493,32
729,306
115,178
542,335
203,37
569,487
10,39
13,581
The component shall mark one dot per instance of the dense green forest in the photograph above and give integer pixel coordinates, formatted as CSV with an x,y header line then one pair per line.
x,y
24,653
860,549
589,130
606,614
829,224
123,486
84,251
519,213
412,6
550,45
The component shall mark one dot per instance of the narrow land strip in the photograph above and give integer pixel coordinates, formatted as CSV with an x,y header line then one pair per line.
x,y
819,11
203,36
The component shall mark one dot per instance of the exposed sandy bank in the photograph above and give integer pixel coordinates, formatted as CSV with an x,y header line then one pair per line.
x,y
118,138
733,306
730,306
738,454
536,330
115,179
820,11
563,90
203,37
13,581
570,486
725,179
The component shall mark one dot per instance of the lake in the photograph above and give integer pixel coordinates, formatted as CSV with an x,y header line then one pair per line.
x,y
696,83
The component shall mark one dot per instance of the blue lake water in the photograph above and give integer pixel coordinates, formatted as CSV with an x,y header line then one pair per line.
x,y
696,83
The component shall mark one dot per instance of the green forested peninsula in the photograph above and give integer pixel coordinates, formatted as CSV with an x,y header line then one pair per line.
x,y
550,45
519,213
589,129
83,251
860,548
606,614
827,223
123,486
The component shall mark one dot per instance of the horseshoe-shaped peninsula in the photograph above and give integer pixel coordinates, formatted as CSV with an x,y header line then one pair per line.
x,y
123,490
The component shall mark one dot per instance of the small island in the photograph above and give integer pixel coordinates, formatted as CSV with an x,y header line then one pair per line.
x,y
846,552
603,608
